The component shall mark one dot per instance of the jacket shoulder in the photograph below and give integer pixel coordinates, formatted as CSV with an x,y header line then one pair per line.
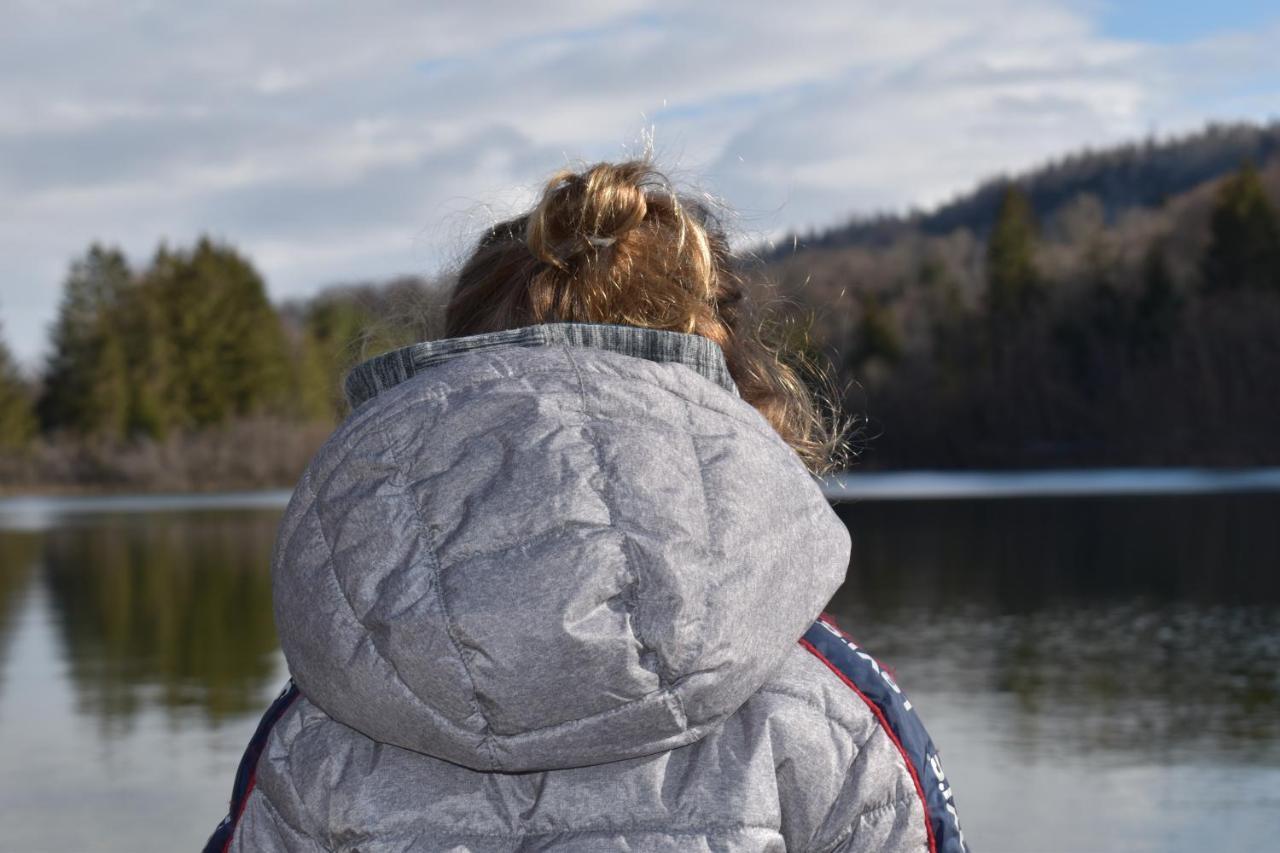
x,y
859,751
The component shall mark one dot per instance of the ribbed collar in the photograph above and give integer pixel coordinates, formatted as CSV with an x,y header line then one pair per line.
x,y
368,379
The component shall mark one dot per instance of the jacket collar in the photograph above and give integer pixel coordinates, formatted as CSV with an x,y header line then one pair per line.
x,y
368,379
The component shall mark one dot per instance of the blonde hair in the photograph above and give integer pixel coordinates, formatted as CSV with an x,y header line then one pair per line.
x,y
613,243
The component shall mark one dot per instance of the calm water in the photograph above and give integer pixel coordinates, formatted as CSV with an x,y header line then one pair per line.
x,y
1101,673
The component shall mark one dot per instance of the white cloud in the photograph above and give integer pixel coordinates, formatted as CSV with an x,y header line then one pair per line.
x,y
333,140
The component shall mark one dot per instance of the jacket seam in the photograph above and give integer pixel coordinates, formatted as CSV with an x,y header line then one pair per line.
x,y
278,733
551,727
282,820
712,588
852,827
865,812
346,599
636,581
397,477
465,556
662,829
858,745
820,711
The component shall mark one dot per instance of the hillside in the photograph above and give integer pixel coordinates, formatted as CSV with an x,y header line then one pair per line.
x,y
1082,314
1139,175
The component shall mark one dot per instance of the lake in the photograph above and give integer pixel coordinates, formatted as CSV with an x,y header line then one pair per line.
x,y
1100,671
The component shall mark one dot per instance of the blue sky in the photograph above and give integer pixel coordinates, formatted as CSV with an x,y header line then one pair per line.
x,y
1172,22
334,141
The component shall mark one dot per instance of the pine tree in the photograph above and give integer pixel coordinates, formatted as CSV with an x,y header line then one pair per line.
x,y
150,355
335,324
314,396
1158,302
17,420
223,342
1244,241
876,335
342,328
1012,279
86,383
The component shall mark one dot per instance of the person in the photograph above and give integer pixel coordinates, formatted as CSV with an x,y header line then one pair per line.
x,y
557,581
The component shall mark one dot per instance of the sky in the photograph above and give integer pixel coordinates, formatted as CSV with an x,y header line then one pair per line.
x,y
335,141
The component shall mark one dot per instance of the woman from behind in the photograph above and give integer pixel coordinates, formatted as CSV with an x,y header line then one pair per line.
x,y
557,582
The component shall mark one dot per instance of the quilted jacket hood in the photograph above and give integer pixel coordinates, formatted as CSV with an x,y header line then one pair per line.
x,y
552,547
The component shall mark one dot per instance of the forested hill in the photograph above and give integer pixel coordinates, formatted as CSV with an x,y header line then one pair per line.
x,y
1085,313
1140,174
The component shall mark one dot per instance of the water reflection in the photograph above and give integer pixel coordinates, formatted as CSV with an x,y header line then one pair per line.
x,y
167,609
1111,657
1119,626
1118,623
17,567
1024,555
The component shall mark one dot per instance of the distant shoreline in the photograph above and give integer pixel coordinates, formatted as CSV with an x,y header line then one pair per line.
x,y
1085,482
849,486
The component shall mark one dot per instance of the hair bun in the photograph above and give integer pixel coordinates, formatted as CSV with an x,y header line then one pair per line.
x,y
586,211
617,244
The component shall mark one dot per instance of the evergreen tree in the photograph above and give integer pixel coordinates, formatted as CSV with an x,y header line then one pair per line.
x,y
150,355
342,327
1244,240
1157,307
221,339
1012,279
876,336
336,325
86,383
17,421
315,396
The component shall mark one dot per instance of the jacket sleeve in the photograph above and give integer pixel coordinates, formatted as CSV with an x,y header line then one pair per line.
x,y
894,796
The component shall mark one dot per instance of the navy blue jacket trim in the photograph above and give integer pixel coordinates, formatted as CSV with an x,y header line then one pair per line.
x,y
246,774
876,686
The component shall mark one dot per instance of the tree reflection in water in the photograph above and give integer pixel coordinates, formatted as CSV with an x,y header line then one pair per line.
x,y
18,555
1121,625
1108,625
166,609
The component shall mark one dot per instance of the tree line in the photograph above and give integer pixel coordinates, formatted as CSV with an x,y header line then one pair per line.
x,y
184,350
1076,338
1152,339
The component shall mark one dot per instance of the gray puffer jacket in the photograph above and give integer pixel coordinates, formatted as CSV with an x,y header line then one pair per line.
x,y
558,588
